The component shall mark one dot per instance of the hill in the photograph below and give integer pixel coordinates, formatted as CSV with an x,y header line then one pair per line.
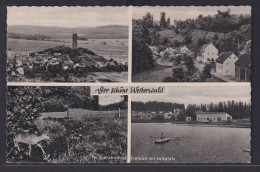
x,y
101,32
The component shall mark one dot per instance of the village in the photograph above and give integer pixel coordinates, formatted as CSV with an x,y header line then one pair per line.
x,y
212,114
224,66
59,64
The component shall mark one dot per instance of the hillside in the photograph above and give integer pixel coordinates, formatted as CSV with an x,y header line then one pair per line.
x,y
101,32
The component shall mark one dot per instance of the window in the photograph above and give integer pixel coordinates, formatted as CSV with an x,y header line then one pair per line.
x,y
230,57
207,118
227,64
227,71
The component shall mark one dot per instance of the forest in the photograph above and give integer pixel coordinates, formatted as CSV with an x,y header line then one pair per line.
x,y
155,106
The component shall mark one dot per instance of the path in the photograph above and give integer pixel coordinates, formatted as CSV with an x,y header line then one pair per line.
x,y
156,74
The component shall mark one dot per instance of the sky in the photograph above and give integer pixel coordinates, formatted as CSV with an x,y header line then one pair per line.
x,y
70,17
200,94
109,99
183,13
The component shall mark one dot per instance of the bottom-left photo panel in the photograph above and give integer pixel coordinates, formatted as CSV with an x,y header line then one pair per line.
x,y
65,125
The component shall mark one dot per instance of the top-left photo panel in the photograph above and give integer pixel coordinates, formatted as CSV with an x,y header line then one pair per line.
x,y
67,44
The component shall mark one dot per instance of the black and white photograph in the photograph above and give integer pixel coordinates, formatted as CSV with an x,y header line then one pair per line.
x,y
67,44
191,44
192,124
65,125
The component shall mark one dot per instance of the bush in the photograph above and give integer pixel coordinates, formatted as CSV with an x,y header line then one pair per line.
x,y
169,79
142,56
86,140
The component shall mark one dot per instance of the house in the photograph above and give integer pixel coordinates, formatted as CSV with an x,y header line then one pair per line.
x,y
10,54
243,68
184,49
207,53
57,54
212,116
225,64
99,64
188,119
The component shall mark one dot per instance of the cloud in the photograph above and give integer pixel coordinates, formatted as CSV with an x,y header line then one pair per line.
x,y
67,16
201,94
185,12
105,100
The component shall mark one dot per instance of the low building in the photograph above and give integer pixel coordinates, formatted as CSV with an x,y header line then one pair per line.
x,y
207,117
225,64
188,119
207,53
57,54
243,68
184,49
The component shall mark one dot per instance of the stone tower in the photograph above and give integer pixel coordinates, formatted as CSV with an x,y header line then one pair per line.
x,y
74,41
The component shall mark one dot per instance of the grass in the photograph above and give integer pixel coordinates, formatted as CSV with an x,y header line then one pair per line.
x,y
156,74
88,140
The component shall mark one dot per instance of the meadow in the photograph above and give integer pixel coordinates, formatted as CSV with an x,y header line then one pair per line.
x,y
85,140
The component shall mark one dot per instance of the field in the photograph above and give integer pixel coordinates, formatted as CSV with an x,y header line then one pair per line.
x,y
78,113
155,74
109,48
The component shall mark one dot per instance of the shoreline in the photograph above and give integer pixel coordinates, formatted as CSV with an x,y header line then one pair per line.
x,y
226,125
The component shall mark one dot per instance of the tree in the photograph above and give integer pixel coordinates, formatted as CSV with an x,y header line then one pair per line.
x,y
206,72
142,56
168,23
178,74
24,105
158,118
189,63
163,23
169,79
148,20
216,37
181,116
177,60
187,38
190,111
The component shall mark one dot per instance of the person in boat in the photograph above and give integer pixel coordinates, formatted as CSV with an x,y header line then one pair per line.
x,y
162,137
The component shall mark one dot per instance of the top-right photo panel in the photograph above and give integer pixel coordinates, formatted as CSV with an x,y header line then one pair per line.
x,y
191,44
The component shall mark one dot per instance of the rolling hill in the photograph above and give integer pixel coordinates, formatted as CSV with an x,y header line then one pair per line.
x,y
101,32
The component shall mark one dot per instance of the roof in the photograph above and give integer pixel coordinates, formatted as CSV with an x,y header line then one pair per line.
x,y
211,113
204,47
244,60
223,57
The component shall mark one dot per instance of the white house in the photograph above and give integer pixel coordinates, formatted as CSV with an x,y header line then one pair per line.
x,y
212,116
208,53
225,64
184,49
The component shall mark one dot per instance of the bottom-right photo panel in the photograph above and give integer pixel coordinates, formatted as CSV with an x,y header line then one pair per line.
x,y
192,124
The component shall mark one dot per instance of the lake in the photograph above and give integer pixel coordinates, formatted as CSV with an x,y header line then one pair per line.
x,y
189,144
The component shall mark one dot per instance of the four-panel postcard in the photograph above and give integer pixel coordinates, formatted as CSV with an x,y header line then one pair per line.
x,y
128,84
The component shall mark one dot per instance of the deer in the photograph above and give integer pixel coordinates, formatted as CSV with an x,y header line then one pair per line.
x,y
30,139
